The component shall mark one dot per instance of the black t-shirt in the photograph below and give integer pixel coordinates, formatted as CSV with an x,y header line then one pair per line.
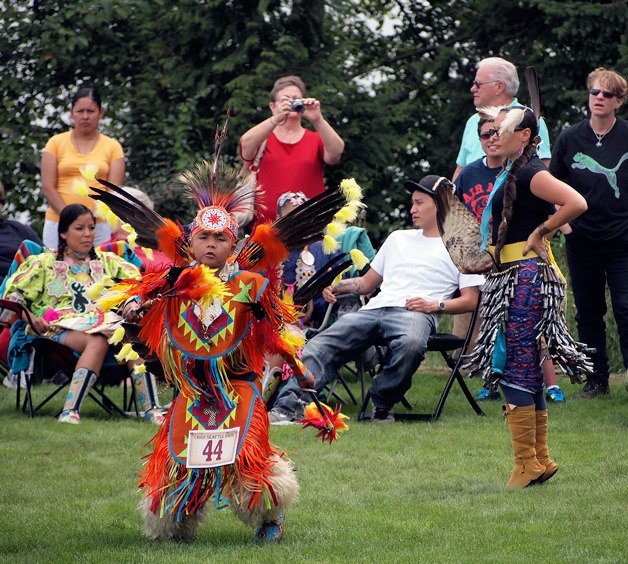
x,y
12,234
529,211
600,174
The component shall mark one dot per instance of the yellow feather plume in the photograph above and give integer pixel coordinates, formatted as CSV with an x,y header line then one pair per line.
x,y
128,228
330,245
112,219
101,210
337,279
111,300
140,368
117,336
124,352
293,337
351,189
95,290
359,259
131,240
335,228
148,252
80,187
89,171
132,355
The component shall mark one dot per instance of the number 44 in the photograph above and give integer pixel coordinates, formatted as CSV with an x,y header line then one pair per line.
x,y
210,450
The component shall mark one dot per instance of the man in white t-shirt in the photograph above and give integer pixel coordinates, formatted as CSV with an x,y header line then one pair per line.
x,y
417,280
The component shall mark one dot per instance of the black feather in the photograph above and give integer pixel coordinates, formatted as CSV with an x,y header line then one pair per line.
x,y
323,277
533,88
129,209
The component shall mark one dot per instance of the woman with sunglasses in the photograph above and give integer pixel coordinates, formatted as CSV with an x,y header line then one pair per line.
x,y
592,157
521,300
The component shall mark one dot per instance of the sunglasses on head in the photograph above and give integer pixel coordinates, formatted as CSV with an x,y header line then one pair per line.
x,y
608,95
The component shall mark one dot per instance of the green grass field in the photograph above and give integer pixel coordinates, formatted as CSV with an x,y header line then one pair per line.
x,y
407,492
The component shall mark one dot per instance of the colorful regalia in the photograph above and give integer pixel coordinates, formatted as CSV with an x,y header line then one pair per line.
x,y
211,331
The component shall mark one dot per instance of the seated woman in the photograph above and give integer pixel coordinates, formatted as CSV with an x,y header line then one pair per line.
x,y
53,285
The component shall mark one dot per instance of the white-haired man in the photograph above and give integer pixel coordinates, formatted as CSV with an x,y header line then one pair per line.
x,y
496,84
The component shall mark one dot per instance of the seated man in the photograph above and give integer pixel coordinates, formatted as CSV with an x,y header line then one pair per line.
x,y
417,280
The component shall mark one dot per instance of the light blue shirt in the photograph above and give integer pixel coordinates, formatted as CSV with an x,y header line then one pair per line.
x,y
471,148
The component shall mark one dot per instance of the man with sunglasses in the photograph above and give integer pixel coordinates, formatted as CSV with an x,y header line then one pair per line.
x,y
496,84
592,157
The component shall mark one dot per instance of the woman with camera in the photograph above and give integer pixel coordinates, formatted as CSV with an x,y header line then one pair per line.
x,y
285,155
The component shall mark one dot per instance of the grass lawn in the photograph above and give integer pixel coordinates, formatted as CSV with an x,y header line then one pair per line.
x,y
407,492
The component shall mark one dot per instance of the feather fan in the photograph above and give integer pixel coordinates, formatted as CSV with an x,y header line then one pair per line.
x,y
460,233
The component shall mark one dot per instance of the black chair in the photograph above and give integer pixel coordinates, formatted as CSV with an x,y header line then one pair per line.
x,y
345,303
50,358
446,344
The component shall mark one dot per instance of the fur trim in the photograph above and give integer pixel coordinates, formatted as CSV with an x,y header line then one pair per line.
x,y
286,489
167,527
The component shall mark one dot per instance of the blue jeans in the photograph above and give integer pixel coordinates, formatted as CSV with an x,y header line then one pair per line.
x,y
593,265
405,332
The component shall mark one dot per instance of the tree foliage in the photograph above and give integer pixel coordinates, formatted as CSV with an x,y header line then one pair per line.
x,y
393,78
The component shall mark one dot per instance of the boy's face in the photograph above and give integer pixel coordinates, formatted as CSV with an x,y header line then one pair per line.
x,y
212,249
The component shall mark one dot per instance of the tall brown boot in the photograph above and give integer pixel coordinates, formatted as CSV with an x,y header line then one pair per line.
x,y
522,423
542,450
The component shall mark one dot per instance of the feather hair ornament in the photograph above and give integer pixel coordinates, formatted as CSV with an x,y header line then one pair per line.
x,y
533,89
514,117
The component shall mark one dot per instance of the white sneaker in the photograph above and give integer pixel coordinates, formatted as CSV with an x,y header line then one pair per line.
x,y
10,381
278,418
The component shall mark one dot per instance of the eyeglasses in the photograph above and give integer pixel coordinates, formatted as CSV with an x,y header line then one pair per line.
x,y
608,95
491,132
477,83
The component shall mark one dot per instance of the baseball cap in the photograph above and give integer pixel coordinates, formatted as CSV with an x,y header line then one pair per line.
x,y
427,184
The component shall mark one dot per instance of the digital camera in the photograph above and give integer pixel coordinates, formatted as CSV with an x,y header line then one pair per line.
x,y
298,106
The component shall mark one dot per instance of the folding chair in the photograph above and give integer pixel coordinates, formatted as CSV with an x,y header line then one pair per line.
x,y
48,357
446,344
345,303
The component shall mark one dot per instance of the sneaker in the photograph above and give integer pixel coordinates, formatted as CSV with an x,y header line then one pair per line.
x,y
10,381
382,416
555,395
594,388
277,418
271,530
487,395
155,416
70,416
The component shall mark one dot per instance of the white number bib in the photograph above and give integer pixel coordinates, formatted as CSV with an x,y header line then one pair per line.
x,y
208,449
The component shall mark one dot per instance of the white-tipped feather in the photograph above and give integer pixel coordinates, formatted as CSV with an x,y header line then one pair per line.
x,y
511,121
489,112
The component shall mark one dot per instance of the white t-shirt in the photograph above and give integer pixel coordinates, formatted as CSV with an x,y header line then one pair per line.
x,y
413,265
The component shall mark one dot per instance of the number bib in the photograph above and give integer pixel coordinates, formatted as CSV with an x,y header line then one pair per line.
x,y
209,449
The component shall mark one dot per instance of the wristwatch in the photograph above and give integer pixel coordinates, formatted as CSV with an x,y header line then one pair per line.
x,y
441,306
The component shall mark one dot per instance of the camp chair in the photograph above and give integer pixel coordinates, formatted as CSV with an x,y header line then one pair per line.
x,y
46,357
446,344
347,303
